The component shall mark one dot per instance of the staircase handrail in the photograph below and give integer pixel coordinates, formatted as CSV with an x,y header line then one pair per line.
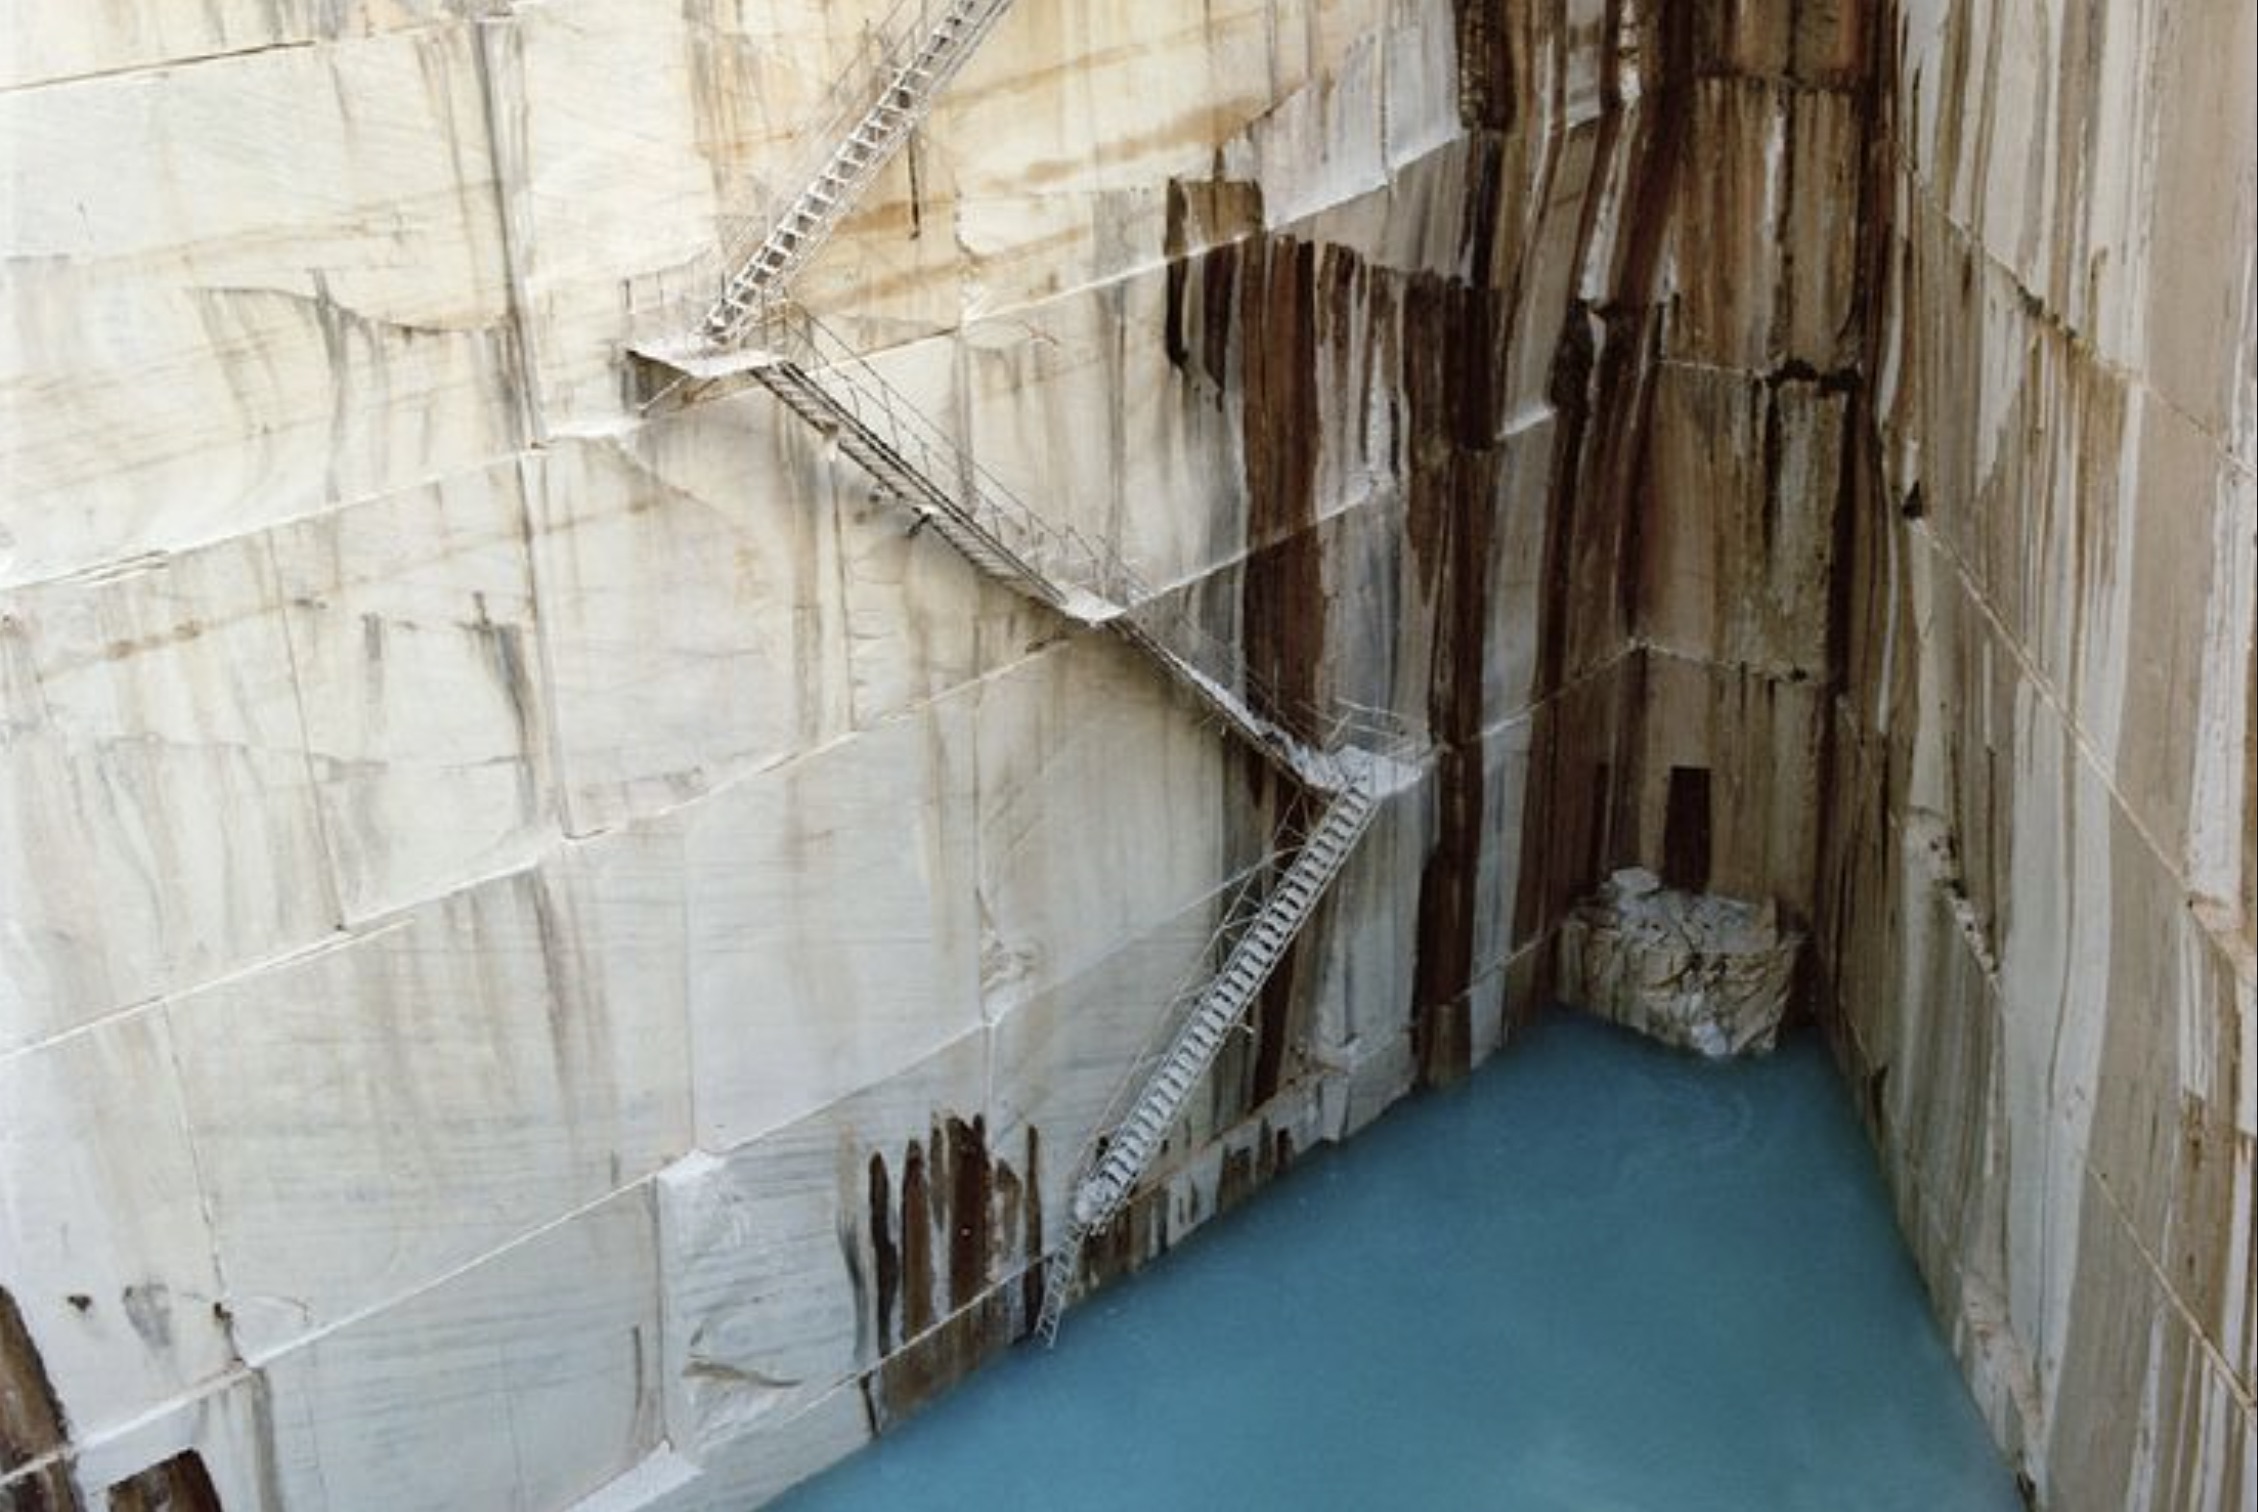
x,y
1067,557
692,291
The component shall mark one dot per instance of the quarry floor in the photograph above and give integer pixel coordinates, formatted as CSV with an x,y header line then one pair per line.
x,y
1599,1276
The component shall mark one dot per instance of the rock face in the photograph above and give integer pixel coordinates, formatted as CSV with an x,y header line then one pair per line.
x,y
1694,970
557,955
2038,843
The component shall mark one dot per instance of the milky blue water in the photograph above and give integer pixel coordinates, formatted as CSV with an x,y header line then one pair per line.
x,y
1596,1277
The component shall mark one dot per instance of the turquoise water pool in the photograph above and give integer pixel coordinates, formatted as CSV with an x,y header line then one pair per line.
x,y
1596,1277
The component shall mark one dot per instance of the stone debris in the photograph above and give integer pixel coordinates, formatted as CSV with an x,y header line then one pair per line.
x,y
1695,970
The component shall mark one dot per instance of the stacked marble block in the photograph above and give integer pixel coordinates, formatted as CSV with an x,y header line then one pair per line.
x,y
560,955
2040,834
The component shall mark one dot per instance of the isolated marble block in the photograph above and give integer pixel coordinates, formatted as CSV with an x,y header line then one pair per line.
x,y
1693,970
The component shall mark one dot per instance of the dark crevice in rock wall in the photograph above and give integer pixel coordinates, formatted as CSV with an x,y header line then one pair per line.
x,y
1451,354
1283,593
32,1424
179,1484
1602,393
1486,100
1857,772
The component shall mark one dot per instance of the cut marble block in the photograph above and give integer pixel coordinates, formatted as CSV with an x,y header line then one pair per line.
x,y
1073,405
832,924
1693,970
284,288
747,1470
1022,249
1324,143
1739,553
378,1113
1763,252
689,607
421,682
103,1242
779,1288
1101,803
1419,109
42,44
592,207
516,1385
157,815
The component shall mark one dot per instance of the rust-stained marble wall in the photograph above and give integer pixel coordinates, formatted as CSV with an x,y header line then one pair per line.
x,y
2036,909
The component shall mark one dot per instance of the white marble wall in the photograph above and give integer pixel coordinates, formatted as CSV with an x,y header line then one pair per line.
x,y
484,869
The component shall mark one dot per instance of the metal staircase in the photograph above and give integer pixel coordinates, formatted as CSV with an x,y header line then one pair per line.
x,y
1115,1161
819,378
748,331
1343,753
917,50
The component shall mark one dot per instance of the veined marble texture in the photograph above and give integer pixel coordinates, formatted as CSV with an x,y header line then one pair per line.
x,y
560,954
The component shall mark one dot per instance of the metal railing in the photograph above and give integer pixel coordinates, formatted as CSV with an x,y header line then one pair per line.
x,y
1087,577
692,300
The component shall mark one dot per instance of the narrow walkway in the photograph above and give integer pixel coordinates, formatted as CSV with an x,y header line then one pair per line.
x,y
1599,1277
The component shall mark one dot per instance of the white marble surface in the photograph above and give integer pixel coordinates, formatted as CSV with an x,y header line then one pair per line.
x,y
103,1238
832,925
767,1251
160,816
518,1384
1697,971
1101,797
421,684
756,1466
690,622
1061,1056
381,1112
283,289
39,43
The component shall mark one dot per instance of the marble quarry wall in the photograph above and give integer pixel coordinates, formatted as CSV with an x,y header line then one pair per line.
x,y
557,955
2038,868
